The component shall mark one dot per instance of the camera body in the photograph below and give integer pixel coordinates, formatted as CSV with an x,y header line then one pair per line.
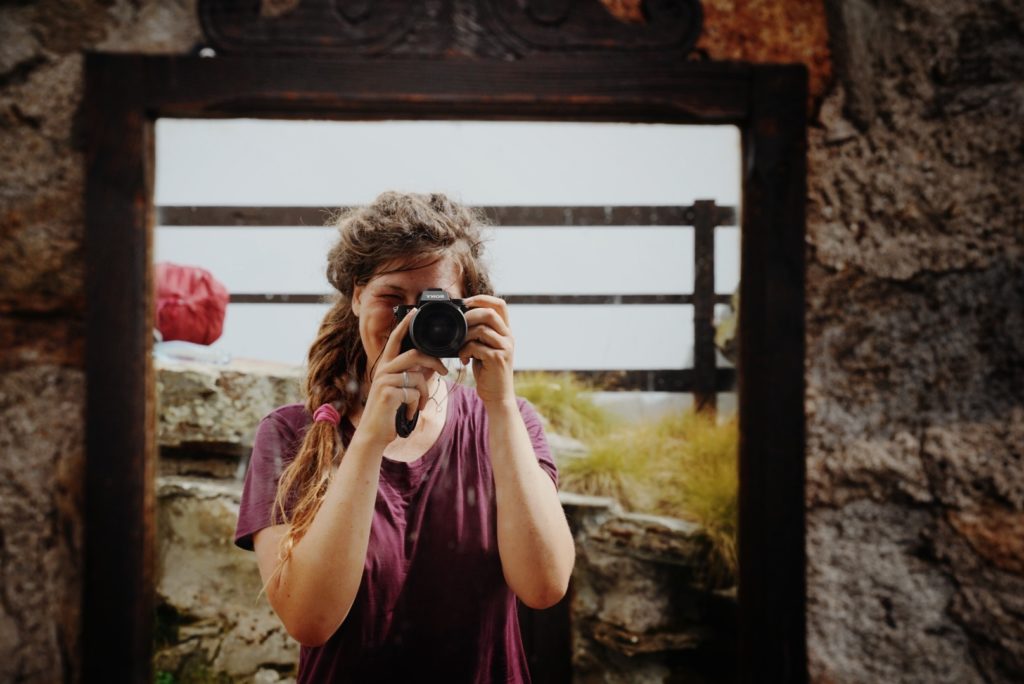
x,y
439,328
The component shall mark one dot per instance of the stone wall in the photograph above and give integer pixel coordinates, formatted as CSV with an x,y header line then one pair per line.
x,y
914,338
213,623
915,346
642,608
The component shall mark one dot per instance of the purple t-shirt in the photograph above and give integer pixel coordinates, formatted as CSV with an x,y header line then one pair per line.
x,y
433,604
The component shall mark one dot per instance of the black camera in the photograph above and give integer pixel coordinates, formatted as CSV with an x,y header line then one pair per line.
x,y
439,328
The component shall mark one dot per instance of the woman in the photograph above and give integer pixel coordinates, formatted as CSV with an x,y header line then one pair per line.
x,y
400,559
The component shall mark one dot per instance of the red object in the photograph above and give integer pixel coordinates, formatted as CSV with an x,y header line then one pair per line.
x,y
190,303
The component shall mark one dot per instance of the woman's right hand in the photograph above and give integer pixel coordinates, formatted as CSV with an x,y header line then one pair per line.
x,y
386,388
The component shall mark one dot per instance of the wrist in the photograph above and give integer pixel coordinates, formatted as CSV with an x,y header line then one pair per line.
x,y
366,443
504,405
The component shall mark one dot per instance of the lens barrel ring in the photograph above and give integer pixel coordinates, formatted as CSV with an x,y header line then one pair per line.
x,y
439,329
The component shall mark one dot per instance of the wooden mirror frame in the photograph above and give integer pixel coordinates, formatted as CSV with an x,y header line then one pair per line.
x,y
124,96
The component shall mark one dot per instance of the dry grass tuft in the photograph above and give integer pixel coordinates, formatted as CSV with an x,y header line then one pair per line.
x,y
684,465
563,399
699,479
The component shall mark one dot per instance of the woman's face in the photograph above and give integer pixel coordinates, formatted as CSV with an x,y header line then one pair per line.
x,y
374,302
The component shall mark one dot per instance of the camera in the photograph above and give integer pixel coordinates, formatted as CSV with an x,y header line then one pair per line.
x,y
439,328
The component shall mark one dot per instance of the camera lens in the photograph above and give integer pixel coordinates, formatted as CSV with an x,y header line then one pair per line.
x,y
439,329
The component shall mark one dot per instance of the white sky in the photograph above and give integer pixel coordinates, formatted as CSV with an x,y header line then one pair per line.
x,y
323,163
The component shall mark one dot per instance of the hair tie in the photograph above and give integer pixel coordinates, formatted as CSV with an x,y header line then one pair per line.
x,y
327,414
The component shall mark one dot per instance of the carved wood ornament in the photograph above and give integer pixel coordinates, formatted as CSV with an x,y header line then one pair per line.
x,y
422,28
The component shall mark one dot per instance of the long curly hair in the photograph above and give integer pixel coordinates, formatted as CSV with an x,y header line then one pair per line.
x,y
402,228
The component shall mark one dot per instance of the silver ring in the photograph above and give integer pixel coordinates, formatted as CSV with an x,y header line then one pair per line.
x,y
405,379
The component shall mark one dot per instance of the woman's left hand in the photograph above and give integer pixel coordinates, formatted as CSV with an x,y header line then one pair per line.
x,y
490,344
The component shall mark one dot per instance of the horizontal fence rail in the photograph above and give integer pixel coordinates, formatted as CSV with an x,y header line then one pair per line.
x,y
705,380
660,380
505,217
269,298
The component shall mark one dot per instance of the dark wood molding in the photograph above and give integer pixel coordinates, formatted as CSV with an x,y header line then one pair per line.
x,y
628,87
118,577
772,628
126,93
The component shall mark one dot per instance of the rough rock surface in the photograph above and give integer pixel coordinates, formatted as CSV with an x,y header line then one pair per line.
x,y
41,440
915,346
217,409
769,31
208,590
642,608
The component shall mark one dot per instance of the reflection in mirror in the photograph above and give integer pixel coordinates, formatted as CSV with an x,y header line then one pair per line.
x,y
617,249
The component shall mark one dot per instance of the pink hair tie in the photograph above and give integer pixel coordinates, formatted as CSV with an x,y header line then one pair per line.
x,y
327,413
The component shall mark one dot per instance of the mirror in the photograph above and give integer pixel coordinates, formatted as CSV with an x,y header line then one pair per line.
x,y
764,102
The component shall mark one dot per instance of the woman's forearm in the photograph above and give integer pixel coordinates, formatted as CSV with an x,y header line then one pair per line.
x,y
319,582
534,542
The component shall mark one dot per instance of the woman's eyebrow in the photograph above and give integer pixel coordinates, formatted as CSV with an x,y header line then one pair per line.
x,y
389,286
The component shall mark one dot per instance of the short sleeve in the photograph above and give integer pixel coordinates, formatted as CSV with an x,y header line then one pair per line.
x,y
540,441
272,449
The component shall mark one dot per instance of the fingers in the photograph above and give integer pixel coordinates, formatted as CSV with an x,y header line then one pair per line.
x,y
488,309
405,387
401,381
487,336
489,356
422,393
415,395
411,359
394,343
488,332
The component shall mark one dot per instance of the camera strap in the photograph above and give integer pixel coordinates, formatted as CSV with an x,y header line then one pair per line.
x,y
404,426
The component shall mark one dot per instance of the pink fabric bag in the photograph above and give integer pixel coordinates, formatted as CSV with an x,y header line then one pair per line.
x,y
190,303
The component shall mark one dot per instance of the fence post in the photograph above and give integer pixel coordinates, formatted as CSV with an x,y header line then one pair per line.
x,y
705,215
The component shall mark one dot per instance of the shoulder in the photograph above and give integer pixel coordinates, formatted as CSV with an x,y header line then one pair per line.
x,y
293,414
280,431
290,413
289,416
278,436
